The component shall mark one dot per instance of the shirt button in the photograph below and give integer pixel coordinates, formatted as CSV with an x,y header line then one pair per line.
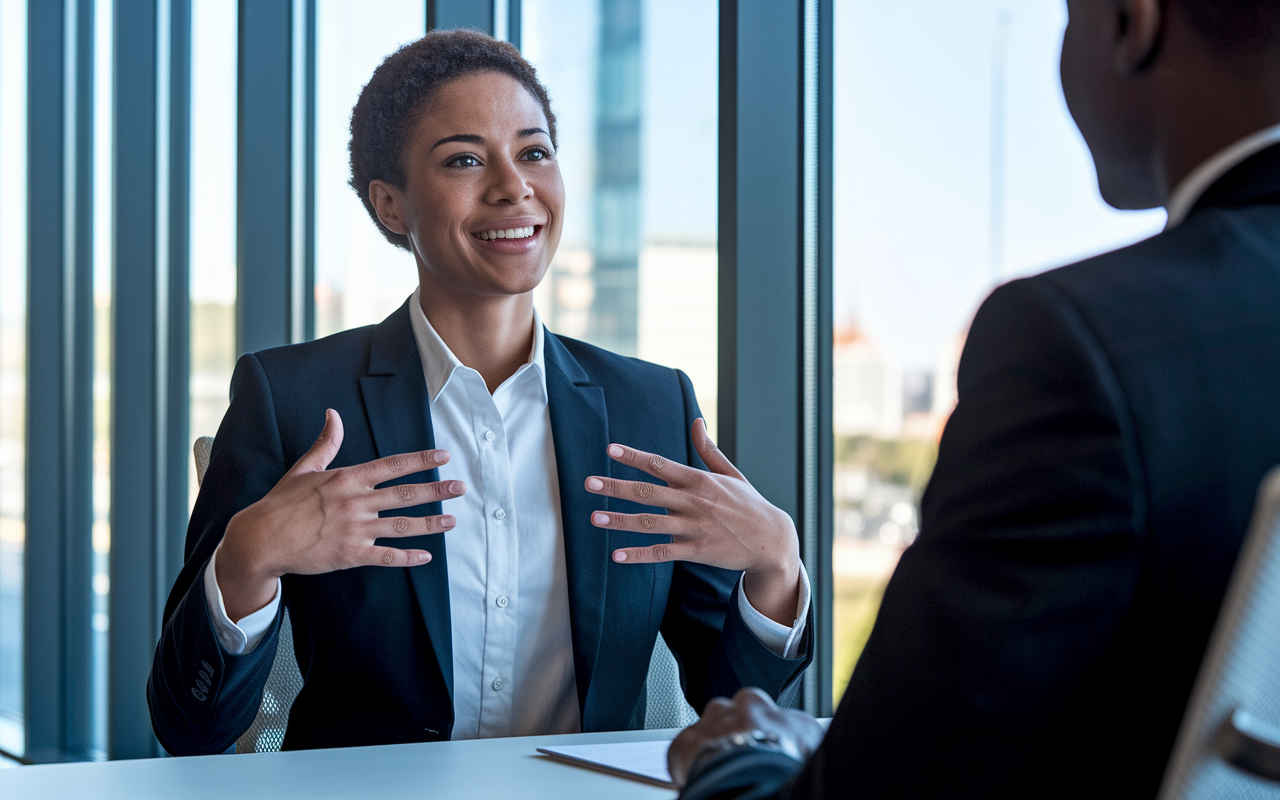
x,y
500,514
502,601
498,683
489,436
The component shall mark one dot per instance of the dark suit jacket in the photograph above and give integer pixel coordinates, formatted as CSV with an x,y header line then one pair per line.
x,y
1092,490
374,644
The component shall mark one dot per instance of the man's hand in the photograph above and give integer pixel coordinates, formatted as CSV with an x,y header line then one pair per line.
x,y
797,733
316,520
715,518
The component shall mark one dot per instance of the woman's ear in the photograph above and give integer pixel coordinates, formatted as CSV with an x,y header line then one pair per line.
x,y
388,201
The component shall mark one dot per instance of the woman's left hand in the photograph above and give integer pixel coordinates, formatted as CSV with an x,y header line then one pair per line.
x,y
715,518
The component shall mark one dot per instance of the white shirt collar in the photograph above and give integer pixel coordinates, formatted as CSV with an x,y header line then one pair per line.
x,y
1188,192
439,362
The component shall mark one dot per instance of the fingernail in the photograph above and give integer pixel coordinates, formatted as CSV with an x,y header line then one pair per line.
x,y
448,522
440,455
595,484
600,519
458,487
620,556
424,558
615,450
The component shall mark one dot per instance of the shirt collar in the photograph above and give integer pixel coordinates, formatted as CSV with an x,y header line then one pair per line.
x,y
439,362
1189,191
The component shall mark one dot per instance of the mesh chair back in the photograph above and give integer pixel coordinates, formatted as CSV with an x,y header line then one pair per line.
x,y
285,681
1229,741
665,706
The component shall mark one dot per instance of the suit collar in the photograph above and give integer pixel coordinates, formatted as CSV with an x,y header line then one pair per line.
x,y
395,401
580,430
1246,172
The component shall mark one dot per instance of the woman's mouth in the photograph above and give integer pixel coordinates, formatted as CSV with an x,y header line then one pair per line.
x,y
507,233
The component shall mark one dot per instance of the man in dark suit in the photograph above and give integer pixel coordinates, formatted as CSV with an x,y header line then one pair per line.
x,y
1096,479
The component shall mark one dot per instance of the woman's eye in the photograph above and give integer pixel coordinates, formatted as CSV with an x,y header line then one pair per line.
x,y
537,155
464,161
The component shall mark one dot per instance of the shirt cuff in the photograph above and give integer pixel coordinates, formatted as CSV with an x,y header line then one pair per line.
x,y
782,640
240,639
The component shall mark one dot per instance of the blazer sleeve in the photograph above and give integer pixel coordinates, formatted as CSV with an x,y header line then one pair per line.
x,y
716,651
201,697
1027,558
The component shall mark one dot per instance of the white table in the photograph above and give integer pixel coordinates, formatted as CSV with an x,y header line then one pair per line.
x,y
510,769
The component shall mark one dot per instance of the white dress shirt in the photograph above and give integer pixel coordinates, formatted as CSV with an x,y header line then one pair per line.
x,y
508,583
1189,190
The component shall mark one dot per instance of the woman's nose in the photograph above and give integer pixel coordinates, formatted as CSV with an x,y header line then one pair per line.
x,y
508,184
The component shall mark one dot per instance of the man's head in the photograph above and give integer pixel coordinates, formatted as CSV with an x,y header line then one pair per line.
x,y
1158,86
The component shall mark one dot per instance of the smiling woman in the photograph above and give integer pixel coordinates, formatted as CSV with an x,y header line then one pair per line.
x,y
533,605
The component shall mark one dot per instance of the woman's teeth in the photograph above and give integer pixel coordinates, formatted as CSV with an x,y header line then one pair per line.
x,y
508,233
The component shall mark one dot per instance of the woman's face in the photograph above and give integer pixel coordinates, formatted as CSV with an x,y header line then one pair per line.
x,y
483,198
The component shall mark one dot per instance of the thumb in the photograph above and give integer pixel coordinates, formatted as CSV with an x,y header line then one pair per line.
x,y
715,460
326,445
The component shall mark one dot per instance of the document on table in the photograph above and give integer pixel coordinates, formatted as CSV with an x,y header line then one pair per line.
x,y
641,761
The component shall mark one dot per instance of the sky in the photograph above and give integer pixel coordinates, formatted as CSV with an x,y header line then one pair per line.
x,y
913,87
913,96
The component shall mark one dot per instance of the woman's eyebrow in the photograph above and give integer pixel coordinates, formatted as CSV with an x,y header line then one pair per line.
x,y
469,138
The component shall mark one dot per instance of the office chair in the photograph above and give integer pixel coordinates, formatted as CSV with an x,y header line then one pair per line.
x,y
266,734
1229,742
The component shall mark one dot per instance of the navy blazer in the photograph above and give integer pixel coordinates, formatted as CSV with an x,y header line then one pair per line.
x,y
1093,487
374,645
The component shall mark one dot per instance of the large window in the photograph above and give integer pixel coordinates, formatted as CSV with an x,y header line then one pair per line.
x,y
953,173
13,374
636,268
360,277
213,215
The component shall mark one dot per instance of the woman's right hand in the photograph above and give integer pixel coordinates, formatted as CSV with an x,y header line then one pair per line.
x,y
316,520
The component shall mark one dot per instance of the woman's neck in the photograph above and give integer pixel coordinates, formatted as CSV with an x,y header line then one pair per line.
x,y
492,335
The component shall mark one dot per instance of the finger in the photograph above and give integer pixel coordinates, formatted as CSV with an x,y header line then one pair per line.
x,y
413,494
382,470
640,492
394,527
669,471
380,556
715,460
325,448
642,523
653,554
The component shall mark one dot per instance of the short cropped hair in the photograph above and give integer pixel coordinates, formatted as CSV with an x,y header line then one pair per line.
x,y
400,93
1235,26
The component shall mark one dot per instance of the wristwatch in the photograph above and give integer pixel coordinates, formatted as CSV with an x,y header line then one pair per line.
x,y
740,742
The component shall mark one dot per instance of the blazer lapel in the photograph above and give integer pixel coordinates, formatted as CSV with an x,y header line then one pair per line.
x,y
580,429
399,413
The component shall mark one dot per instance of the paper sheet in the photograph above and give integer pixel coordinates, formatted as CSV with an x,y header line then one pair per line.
x,y
644,761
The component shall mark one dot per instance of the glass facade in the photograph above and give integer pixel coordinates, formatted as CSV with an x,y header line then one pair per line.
x,y
948,182
103,225
214,71
636,270
13,354
360,276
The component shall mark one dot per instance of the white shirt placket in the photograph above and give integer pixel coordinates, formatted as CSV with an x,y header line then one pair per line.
x,y
501,561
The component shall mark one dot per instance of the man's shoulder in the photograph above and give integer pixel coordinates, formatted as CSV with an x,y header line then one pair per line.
x,y
1218,271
